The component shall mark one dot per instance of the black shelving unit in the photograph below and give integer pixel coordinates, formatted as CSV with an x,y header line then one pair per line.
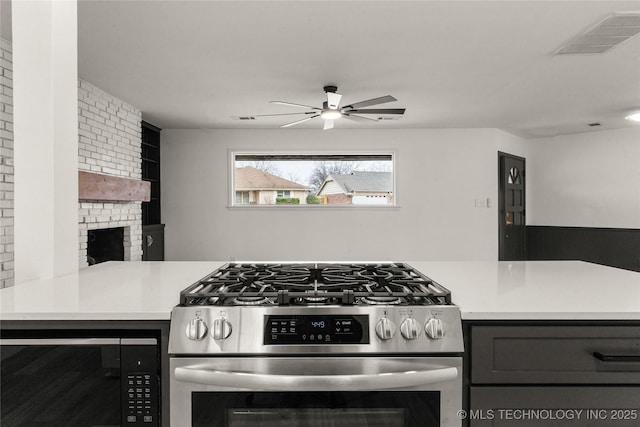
x,y
152,228
151,172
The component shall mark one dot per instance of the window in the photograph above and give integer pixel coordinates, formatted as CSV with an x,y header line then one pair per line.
x,y
242,197
313,179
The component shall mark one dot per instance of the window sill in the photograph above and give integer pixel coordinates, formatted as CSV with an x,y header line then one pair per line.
x,y
314,207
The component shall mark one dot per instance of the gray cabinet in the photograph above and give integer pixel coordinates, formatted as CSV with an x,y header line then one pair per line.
x,y
153,242
543,373
555,406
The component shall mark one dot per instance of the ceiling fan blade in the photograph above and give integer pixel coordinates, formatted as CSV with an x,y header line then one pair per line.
x,y
299,121
378,111
328,124
284,114
333,100
359,118
291,104
374,101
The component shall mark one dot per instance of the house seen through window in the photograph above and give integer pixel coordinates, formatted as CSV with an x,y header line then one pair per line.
x,y
313,179
242,197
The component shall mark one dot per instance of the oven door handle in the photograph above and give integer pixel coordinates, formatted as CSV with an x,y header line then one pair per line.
x,y
258,381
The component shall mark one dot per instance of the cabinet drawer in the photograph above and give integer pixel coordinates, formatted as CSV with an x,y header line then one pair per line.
x,y
555,354
554,406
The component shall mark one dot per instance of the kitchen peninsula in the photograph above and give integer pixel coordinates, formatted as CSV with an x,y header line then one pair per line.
x,y
532,330
484,290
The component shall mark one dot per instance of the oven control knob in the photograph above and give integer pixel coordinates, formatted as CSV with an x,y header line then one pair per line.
x,y
434,328
385,329
221,329
410,328
196,329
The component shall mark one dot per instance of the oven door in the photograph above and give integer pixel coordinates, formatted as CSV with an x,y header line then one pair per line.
x,y
316,391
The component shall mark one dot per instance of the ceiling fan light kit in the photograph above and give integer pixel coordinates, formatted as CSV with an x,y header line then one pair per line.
x,y
329,114
634,117
331,110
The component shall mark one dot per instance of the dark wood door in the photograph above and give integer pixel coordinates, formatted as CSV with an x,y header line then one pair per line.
x,y
511,209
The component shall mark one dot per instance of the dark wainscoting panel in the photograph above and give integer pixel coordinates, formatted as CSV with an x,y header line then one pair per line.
x,y
615,247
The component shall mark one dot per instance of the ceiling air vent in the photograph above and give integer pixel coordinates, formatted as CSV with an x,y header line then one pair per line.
x,y
243,117
605,35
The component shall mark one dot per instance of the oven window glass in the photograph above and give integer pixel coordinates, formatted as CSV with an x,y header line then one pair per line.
x,y
316,409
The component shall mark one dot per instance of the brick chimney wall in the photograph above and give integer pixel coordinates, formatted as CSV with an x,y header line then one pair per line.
x,y
110,142
6,165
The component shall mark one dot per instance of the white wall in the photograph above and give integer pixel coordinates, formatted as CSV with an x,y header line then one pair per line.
x,y
586,180
440,173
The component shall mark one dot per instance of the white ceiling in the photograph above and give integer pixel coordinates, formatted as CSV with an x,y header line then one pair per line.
x,y
451,64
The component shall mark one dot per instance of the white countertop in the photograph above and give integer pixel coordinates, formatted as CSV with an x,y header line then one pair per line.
x,y
531,290
538,290
107,291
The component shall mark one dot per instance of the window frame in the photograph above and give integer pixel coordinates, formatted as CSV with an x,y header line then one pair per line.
x,y
234,153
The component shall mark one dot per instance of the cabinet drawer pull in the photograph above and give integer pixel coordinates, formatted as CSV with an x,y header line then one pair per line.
x,y
616,357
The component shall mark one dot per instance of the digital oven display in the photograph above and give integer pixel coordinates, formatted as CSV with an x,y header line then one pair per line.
x,y
314,329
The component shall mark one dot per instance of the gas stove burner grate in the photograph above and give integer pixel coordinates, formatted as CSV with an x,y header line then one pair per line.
x,y
315,284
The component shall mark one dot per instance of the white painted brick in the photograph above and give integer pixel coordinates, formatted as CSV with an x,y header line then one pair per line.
x,y
112,144
5,63
6,170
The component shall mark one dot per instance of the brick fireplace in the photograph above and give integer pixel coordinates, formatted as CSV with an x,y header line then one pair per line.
x,y
110,143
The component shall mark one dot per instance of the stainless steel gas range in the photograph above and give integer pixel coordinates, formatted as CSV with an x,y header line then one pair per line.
x,y
316,344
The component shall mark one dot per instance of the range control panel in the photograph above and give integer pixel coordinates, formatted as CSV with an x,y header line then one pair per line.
x,y
286,329
316,329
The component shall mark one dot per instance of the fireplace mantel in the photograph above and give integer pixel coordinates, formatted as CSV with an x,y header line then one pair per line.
x,y
99,187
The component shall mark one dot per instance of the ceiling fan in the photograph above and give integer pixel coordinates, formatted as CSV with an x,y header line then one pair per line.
x,y
331,109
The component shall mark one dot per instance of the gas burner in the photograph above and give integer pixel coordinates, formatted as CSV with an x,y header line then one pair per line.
x,y
375,300
252,300
314,298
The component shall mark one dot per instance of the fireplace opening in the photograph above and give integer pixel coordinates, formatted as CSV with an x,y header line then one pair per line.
x,y
105,244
